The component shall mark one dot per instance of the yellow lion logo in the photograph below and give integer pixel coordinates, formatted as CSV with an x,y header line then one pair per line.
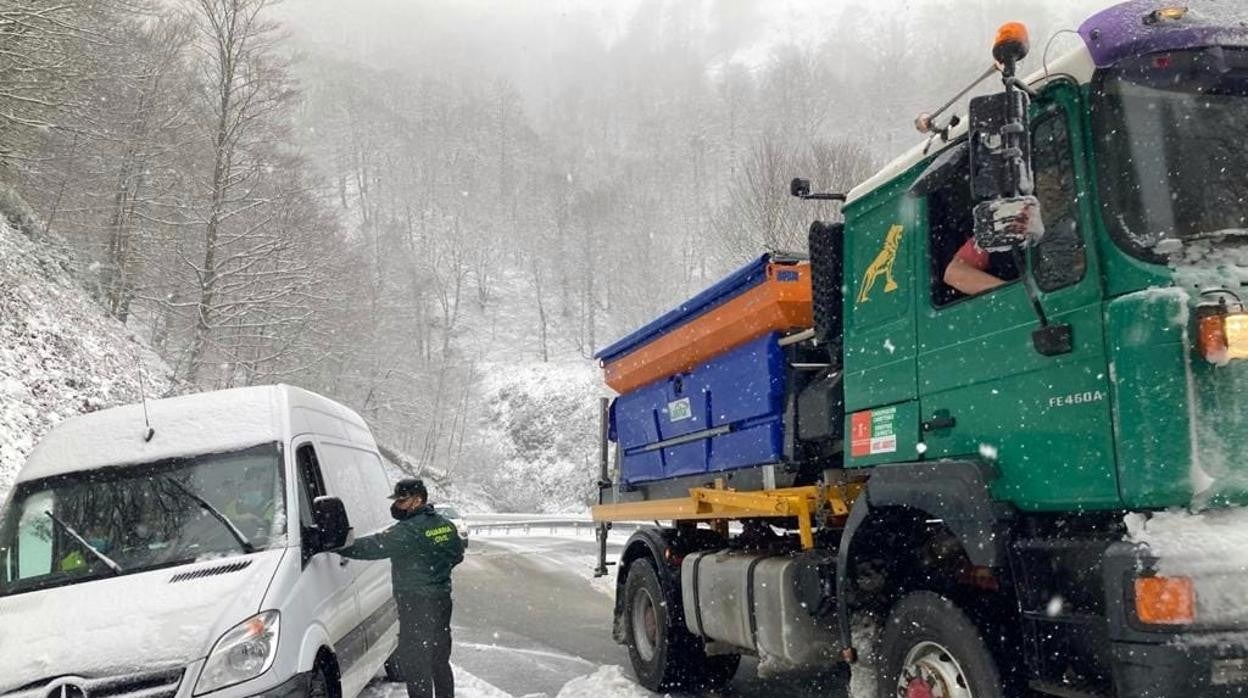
x,y
882,265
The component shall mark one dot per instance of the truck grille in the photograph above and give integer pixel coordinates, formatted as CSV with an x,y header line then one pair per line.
x,y
151,684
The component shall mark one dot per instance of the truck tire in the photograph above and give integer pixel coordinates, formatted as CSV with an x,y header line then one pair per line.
x,y
663,653
930,649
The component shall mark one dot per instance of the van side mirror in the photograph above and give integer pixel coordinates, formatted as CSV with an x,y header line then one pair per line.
x,y
332,525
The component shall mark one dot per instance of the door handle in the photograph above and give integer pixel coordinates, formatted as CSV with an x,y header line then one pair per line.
x,y
940,421
342,561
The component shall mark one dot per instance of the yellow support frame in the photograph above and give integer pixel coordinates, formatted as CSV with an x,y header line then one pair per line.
x,y
720,504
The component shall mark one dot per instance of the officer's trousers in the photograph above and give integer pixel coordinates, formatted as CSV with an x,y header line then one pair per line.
x,y
425,647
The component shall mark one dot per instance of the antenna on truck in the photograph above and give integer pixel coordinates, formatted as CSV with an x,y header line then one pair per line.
x,y
149,432
926,123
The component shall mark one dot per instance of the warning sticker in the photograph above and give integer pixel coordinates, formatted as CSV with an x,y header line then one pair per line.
x,y
680,410
873,432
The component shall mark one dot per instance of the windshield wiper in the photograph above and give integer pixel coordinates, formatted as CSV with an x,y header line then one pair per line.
x,y
238,535
116,568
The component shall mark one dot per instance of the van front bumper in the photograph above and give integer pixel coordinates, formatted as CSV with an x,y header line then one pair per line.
x,y
299,685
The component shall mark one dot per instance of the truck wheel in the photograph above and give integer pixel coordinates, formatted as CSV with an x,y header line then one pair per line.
x,y
930,649
665,655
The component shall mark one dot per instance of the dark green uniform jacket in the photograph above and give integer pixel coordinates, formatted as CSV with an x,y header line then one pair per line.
x,y
422,549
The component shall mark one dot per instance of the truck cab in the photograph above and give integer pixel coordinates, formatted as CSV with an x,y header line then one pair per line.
x,y
1024,483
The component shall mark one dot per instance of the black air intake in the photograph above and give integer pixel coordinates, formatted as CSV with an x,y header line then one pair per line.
x,y
210,571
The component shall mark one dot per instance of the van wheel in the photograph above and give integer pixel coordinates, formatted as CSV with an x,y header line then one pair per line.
x,y
393,673
322,683
664,655
930,649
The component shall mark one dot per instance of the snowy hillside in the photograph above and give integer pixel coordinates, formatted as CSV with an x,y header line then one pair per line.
x,y
540,432
60,354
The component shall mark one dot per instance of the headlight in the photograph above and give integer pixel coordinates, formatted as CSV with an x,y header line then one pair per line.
x,y
242,654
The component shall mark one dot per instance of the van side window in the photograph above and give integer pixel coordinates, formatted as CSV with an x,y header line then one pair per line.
x,y
311,484
951,224
346,474
36,541
1060,259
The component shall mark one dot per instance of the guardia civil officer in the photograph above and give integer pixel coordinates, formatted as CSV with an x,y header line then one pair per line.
x,y
422,548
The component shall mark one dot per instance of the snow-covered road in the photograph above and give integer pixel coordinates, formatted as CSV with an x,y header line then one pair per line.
x,y
530,621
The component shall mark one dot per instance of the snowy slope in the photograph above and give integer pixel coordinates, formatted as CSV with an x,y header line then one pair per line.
x,y
60,354
540,427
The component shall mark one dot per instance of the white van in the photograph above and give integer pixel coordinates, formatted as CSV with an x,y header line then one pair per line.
x,y
194,558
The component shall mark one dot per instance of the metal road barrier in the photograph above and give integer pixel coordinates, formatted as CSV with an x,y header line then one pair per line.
x,y
552,526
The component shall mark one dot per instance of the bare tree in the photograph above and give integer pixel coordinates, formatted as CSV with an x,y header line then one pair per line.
x,y
247,93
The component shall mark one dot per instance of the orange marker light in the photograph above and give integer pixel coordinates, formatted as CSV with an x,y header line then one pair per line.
x,y
1167,14
1165,600
255,627
1012,43
1211,340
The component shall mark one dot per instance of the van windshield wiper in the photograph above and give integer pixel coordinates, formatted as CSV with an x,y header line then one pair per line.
x,y
216,513
116,568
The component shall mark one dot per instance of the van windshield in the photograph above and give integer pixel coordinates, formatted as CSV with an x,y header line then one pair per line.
x,y
88,525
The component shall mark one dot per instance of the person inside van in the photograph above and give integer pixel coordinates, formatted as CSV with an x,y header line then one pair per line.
x,y
423,548
251,508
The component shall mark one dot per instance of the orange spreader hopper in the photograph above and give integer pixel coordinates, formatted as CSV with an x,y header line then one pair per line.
x,y
780,303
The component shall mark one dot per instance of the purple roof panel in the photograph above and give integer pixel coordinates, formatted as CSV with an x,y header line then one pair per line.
x,y
1122,30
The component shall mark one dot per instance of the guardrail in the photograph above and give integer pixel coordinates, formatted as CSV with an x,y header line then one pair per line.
x,y
545,526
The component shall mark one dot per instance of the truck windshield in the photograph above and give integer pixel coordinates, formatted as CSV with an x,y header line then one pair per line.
x,y
140,517
1172,135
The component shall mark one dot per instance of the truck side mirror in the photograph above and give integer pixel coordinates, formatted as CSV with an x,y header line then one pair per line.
x,y
800,188
1007,224
333,528
993,175
1008,217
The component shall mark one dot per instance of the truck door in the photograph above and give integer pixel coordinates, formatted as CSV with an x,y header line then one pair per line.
x,y
986,392
882,235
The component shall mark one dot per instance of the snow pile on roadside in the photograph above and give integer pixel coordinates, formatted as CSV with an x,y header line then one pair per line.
x,y
60,354
1210,548
866,631
540,426
607,682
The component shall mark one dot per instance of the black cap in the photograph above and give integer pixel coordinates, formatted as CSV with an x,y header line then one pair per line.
x,y
410,487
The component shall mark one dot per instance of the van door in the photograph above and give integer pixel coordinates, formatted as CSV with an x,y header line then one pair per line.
x,y
361,483
986,392
328,579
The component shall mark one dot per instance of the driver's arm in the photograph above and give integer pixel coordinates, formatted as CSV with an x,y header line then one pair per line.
x,y
967,271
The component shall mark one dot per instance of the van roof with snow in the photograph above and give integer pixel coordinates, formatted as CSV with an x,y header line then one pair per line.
x,y
226,420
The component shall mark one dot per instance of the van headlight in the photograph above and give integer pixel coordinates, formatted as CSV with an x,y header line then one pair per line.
x,y
242,654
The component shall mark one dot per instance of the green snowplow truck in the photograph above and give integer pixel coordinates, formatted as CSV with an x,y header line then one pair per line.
x,y
1015,434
